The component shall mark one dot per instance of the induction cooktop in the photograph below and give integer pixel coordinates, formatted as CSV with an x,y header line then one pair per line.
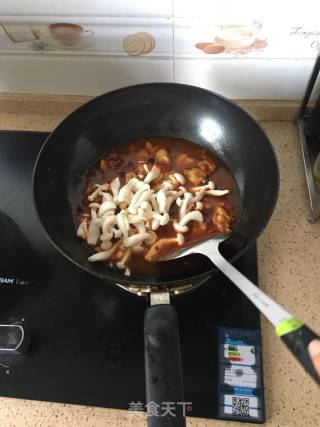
x,y
69,337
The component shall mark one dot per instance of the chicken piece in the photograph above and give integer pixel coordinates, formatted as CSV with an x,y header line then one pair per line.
x,y
83,216
140,170
130,175
207,167
150,147
160,248
195,175
82,230
162,157
103,165
198,228
89,189
118,255
184,161
222,220
143,155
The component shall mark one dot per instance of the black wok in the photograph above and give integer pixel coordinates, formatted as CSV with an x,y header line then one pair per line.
x,y
160,109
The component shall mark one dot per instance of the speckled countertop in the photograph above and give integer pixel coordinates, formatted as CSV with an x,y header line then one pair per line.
x,y
289,271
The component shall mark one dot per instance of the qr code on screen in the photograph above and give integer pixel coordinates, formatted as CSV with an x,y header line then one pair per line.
x,y
240,406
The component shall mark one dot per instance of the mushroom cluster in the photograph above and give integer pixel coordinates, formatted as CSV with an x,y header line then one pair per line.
x,y
124,220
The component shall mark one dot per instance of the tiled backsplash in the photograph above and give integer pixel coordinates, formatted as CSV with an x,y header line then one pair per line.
x,y
206,42
179,37
107,37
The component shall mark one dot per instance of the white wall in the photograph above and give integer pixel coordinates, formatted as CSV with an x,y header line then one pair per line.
x,y
78,75
289,36
264,79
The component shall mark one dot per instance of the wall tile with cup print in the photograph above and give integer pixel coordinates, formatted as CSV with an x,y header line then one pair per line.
x,y
63,35
245,39
200,39
199,42
204,29
210,29
116,36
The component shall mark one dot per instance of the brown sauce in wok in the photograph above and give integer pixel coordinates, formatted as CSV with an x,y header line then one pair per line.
x,y
185,158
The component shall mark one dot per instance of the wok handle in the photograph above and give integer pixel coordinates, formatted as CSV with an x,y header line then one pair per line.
x,y
163,367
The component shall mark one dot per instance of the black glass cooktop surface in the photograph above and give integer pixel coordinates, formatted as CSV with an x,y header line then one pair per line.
x,y
86,336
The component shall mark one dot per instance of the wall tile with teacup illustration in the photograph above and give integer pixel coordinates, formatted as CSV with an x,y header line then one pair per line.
x,y
108,36
212,29
198,39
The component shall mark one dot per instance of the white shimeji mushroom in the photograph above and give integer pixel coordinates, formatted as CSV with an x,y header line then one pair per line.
x,y
145,167
93,234
105,207
184,205
133,207
191,216
151,239
209,186
140,226
163,219
177,179
122,263
167,185
106,197
144,196
137,249
199,196
199,206
97,191
140,185
82,230
117,233
94,217
131,214
153,174
93,195
115,186
161,200
94,205
169,202
180,228
155,224
217,193
125,191
108,222
100,256
123,224
180,178
106,245
180,239
154,203
133,219
136,239
146,211
107,236
104,255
